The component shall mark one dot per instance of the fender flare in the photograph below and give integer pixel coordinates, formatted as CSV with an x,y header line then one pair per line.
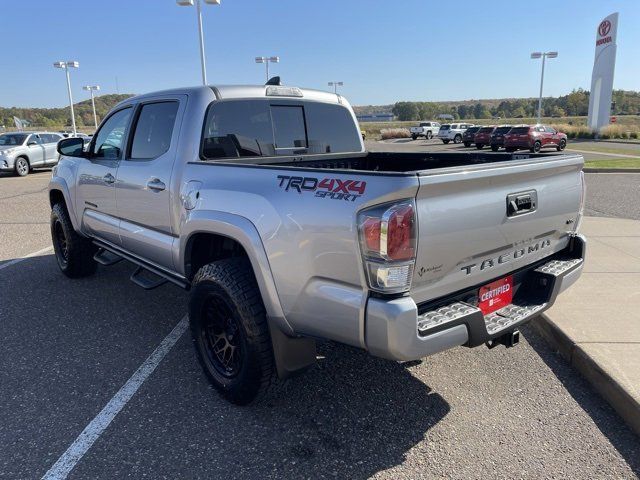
x,y
243,231
60,184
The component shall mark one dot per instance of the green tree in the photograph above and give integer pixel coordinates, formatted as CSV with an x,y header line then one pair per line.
x,y
406,111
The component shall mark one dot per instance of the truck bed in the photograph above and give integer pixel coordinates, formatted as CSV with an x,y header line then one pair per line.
x,y
415,163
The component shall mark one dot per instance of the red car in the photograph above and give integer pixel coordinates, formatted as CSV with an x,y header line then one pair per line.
x,y
534,138
483,136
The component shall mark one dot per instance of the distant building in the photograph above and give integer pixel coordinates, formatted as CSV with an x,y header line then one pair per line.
x,y
376,117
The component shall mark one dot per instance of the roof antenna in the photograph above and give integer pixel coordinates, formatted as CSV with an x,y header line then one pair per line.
x,y
274,81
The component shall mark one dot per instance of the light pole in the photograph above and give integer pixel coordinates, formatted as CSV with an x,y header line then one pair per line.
x,y
190,3
544,56
266,61
91,89
335,86
66,66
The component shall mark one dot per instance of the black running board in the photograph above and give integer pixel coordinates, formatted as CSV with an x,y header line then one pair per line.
x,y
138,277
166,276
106,258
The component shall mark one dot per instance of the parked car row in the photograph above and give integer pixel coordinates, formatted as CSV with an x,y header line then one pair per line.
x,y
509,137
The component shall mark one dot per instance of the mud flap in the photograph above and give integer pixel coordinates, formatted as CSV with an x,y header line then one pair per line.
x,y
292,355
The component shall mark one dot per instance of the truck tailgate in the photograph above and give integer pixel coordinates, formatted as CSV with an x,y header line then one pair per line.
x,y
476,225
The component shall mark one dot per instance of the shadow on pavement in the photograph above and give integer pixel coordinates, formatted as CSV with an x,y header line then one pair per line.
x,y
605,418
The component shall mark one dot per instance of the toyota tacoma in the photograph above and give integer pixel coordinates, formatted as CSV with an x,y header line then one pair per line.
x,y
262,201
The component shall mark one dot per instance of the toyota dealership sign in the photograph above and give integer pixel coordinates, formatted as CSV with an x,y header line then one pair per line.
x,y
602,77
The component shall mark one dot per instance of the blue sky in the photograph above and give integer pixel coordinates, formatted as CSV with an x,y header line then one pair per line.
x,y
383,51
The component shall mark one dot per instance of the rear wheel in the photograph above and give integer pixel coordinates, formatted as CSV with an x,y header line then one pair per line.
x,y
467,144
536,147
414,137
429,135
21,167
230,331
445,141
457,139
494,148
561,146
479,146
74,253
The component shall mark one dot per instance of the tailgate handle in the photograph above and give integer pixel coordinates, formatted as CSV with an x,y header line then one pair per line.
x,y
521,203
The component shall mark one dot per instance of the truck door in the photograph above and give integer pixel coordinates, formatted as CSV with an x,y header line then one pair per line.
x,y
96,193
143,191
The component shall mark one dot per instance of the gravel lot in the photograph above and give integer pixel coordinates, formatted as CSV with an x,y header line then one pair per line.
x,y
70,345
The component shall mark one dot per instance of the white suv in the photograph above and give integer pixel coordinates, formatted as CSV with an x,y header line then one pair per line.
x,y
425,129
453,132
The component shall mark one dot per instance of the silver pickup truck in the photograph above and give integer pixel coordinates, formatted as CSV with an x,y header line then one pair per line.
x,y
262,201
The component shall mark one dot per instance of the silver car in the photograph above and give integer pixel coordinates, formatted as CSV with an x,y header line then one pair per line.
x,y
22,151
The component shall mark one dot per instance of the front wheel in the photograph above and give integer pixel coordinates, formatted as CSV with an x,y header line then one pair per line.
x,y
445,141
457,139
429,135
21,167
230,331
563,144
74,253
479,146
467,144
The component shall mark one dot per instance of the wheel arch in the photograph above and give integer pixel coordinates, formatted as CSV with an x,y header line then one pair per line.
x,y
208,236
59,193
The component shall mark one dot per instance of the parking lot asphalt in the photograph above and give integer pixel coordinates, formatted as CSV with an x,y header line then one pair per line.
x,y
70,345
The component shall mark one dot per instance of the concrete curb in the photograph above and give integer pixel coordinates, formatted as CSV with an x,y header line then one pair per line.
x,y
611,170
614,393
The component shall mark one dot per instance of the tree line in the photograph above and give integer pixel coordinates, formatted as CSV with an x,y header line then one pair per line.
x,y
574,104
58,117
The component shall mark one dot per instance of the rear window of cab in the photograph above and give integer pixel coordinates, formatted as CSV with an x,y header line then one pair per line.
x,y
270,127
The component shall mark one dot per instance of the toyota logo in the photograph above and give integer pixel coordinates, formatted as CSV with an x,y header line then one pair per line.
x,y
604,28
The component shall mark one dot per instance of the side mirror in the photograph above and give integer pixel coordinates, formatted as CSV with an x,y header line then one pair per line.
x,y
71,147
31,143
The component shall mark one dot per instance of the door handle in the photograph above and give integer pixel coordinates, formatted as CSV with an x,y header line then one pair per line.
x,y
156,184
108,178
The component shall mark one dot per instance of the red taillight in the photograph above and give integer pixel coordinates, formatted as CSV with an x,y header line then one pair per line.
x,y
388,235
388,231
400,237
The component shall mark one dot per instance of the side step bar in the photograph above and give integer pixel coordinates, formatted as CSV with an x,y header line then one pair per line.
x,y
137,277
147,283
106,258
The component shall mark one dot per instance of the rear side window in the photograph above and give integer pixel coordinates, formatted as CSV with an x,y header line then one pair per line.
x,y
153,131
486,130
502,129
249,128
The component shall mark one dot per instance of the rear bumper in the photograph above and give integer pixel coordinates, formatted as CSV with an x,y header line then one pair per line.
x,y
398,329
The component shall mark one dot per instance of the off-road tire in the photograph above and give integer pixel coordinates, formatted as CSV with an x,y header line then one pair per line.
x,y
74,253
228,288
562,145
21,168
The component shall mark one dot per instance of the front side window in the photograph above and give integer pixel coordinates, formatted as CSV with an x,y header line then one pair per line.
x,y
153,131
34,139
550,130
109,140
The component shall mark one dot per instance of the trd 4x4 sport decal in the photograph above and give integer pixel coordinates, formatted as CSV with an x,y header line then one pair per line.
x,y
333,188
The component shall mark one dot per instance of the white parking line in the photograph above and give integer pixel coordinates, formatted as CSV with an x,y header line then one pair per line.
x,y
30,255
98,425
